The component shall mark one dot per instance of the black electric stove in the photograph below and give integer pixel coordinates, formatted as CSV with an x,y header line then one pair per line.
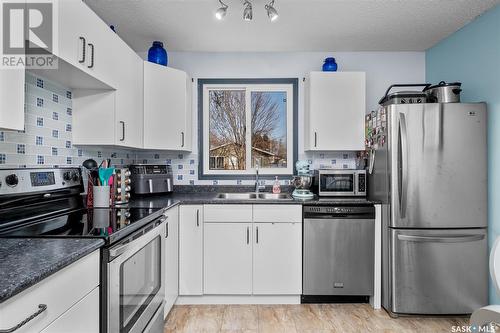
x,y
48,203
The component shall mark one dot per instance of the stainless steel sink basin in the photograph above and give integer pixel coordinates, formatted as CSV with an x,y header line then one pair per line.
x,y
275,196
237,196
254,196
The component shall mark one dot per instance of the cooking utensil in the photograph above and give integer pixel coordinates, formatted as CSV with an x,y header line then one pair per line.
x,y
90,164
444,92
104,174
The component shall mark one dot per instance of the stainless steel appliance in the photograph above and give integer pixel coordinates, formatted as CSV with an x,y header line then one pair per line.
x,y
338,252
444,92
341,182
151,178
430,173
135,273
48,203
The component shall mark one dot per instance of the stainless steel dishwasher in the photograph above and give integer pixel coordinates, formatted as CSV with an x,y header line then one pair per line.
x,y
338,255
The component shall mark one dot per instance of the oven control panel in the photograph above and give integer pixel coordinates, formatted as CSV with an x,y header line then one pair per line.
x,y
25,180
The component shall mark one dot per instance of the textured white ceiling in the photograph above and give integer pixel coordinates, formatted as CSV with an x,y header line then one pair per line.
x,y
303,25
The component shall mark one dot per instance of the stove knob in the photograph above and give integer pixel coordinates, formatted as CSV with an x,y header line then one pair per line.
x,y
76,177
67,176
11,180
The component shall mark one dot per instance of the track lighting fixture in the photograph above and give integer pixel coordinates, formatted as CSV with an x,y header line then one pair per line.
x,y
271,11
247,11
221,12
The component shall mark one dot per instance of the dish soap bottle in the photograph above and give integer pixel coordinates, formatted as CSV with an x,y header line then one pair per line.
x,y
276,186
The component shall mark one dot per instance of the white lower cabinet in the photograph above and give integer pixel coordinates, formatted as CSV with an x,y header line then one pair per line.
x,y
277,259
171,258
191,250
76,319
227,258
62,293
246,257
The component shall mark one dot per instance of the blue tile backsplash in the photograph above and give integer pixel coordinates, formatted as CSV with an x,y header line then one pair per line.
x,y
47,141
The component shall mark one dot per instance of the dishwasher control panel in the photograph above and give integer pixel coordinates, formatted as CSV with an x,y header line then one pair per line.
x,y
339,210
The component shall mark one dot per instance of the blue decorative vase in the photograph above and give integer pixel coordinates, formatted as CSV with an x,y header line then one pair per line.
x,y
330,65
158,54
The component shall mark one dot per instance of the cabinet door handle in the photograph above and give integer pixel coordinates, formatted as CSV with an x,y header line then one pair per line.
x,y
248,235
84,46
166,231
197,217
315,139
41,308
91,56
182,139
257,235
123,130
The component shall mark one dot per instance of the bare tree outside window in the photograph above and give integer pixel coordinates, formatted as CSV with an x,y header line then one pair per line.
x,y
228,128
269,129
268,121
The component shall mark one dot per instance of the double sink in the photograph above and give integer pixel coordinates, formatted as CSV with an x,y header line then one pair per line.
x,y
254,196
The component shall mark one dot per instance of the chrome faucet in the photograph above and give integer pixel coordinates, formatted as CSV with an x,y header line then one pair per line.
x,y
258,187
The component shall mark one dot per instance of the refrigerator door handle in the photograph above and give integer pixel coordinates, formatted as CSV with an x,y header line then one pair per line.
x,y
403,165
441,239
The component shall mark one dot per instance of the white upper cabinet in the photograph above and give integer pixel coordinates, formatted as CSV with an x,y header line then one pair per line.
x,y
111,117
84,41
167,108
334,111
127,71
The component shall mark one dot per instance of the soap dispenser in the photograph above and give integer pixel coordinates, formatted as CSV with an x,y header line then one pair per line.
x,y
276,186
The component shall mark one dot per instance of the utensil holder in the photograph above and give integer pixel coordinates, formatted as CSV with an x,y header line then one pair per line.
x,y
101,196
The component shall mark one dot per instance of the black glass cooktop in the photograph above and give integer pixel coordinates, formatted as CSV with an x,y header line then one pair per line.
x,y
111,224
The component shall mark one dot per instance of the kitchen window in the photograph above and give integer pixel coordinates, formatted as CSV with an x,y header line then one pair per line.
x,y
245,123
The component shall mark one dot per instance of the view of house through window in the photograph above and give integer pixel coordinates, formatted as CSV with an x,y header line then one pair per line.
x,y
227,129
246,125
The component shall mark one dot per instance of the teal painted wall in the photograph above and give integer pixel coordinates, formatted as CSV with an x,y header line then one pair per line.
x,y
472,56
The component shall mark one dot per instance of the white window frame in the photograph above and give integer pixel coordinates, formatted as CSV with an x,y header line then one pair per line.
x,y
249,88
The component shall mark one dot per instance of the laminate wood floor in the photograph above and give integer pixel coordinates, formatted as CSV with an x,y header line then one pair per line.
x,y
299,318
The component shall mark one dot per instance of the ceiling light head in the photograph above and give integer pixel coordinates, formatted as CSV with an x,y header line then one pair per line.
x,y
247,11
272,13
221,12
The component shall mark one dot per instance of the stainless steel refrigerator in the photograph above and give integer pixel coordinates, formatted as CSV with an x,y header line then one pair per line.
x,y
430,173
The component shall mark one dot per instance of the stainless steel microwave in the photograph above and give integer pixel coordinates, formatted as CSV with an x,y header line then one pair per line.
x,y
342,183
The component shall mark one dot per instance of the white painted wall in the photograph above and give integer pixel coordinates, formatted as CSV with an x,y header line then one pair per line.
x,y
382,69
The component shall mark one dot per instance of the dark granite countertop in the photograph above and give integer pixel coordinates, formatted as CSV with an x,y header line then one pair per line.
x,y
26,261
193,198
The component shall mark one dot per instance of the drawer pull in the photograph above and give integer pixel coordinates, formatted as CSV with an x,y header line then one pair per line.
x,y
41,308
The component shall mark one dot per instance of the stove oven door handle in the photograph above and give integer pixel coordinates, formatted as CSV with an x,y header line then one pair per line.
x,y
137,243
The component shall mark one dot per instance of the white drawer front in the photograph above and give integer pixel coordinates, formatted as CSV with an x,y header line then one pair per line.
x,y
59,292
83,317
277,213
227,213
